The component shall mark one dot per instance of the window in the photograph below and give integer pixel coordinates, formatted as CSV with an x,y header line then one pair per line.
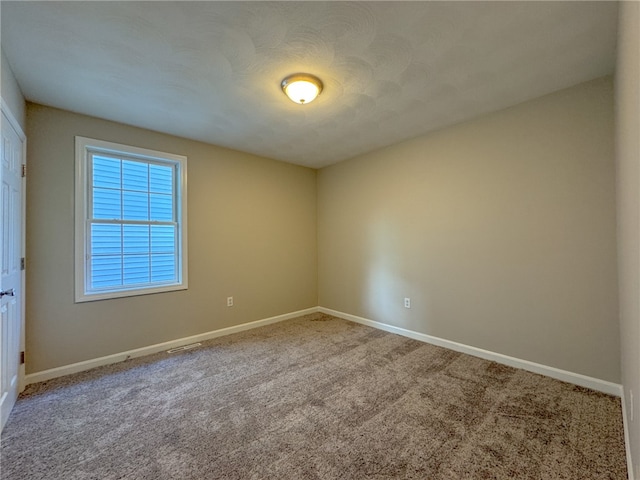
x,y
131,221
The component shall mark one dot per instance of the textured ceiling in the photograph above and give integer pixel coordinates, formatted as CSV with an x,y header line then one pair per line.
x,y
211,71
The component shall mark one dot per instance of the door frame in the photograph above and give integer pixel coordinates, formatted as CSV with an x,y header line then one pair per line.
x,y
23,236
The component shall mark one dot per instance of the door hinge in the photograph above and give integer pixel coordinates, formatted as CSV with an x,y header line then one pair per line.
x,y
22,263
24,170
21,358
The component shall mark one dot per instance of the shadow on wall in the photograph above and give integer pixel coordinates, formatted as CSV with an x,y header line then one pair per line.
x,y
389,280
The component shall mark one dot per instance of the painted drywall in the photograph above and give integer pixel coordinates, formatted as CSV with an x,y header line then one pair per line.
x,y
501,231
252,235
11,93
627,109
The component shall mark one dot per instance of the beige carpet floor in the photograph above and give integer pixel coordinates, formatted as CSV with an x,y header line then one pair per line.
x,y
312,398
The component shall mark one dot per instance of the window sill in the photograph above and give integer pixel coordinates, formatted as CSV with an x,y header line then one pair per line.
x,y
134,292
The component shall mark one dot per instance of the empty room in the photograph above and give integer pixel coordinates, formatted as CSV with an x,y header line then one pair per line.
x,y
320,240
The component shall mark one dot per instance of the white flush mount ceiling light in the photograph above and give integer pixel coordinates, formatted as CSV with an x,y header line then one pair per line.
x,y
302,88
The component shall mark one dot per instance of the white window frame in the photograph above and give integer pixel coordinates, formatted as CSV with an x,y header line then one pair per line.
x,y
82,197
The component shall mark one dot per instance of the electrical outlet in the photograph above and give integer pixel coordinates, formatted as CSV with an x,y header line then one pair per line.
x,y
229,301
407,302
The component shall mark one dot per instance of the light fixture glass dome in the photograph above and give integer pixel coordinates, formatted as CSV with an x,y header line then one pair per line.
x,y
302,88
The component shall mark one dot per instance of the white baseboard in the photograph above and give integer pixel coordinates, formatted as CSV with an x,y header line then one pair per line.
x,y
564,375
625,423
159,347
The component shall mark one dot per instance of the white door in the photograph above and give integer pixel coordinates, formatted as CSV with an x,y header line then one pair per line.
x,y
11,278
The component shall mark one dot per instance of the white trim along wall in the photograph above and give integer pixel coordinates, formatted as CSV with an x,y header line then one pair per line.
x,y
563,375
610,388
158,347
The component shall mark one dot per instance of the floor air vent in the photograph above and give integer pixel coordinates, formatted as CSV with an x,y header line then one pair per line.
x,y
184,347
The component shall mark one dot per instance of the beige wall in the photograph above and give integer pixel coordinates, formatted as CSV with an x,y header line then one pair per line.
x,y
252,235
10,92
500,230
628,162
